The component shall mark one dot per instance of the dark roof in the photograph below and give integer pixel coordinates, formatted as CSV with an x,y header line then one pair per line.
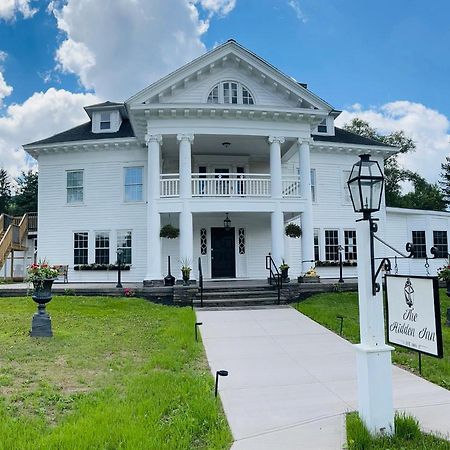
x,y
84,133
99,105
347,137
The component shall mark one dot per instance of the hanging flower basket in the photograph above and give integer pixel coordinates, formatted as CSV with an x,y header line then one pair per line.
x,y
293,230
169,232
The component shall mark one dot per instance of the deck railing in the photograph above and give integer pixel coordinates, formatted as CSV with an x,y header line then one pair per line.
x,y
228,185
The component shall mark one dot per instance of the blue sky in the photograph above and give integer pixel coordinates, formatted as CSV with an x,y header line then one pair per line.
x,y
386,61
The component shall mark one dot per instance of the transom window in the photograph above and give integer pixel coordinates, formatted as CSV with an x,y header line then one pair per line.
x,y
230,92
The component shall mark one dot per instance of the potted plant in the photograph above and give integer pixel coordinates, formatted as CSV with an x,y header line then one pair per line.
x,y
293,230
284,268
169,232
186,271
310,276
444,275
42,275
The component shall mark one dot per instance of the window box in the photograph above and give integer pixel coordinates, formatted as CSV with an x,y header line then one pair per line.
x,y
336,263
101,267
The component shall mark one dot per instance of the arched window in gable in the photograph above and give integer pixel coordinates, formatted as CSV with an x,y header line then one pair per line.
x,y
230,92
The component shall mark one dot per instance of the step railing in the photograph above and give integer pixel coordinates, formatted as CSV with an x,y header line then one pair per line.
x,y
274,274
290,186
14,234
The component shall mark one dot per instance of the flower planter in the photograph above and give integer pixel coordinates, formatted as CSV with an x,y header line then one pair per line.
x,y
41,324
313,279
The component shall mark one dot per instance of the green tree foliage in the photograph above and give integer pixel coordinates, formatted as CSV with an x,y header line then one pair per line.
x,y
5,191
26,198
444,182
425,195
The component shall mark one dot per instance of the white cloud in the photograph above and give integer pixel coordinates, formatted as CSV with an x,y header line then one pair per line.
x,y
40,116
5,89
298,12
10,8
221,7
121,49
427,127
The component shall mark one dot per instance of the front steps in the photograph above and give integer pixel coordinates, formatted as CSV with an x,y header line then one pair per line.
x,y
238,296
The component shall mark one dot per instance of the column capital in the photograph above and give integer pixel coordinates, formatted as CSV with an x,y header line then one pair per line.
x,y
305,140
153,138
185,137
279,139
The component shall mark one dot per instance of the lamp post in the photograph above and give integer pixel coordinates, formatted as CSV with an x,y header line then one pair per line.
x,y
340,248
119,268
374,368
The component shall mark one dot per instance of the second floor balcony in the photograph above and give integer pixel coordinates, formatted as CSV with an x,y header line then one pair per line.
x,y
229,185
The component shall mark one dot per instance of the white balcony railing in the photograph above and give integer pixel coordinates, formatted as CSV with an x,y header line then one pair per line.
x,y
229,185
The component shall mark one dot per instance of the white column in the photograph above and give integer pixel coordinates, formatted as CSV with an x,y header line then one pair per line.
x,y
153,217
374,368
277,234
185,164
187,239
307,216
275,165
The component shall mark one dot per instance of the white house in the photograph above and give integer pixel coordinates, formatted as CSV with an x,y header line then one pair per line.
x,y
227,135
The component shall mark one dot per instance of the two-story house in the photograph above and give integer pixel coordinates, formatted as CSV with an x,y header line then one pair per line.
x,y
227,136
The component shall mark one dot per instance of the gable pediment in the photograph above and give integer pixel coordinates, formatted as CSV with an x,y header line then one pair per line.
x,y
192,83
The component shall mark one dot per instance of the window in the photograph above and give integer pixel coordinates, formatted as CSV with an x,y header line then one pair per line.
x,y
440,243
124,244
350,245
419,243
241,232
346,192
105,121
316,245
331,245
230,92
133,184
75,186
80,248
313,185
102,247
322,127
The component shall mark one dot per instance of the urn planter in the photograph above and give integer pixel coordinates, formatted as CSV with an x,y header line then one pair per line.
x,y
41,324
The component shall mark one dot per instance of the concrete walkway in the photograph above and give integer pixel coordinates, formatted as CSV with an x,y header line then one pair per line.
x,y
291,380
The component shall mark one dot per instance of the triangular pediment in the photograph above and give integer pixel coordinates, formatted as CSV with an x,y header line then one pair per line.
x,y
192,83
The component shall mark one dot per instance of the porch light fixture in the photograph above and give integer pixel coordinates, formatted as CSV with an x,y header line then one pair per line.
x,y
366,186
227,223
226,144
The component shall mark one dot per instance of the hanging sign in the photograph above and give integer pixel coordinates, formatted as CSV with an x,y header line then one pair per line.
x,y
413,313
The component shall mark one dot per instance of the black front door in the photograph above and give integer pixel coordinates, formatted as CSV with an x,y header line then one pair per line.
x,y
223,263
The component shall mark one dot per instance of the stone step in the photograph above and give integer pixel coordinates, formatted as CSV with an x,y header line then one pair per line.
x,y
238,302
238,294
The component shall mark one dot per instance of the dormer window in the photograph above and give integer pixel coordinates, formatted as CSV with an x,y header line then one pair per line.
x,y
230,92
105,121
322,127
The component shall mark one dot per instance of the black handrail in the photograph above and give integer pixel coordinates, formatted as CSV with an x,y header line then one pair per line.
x,y
200,280
275,275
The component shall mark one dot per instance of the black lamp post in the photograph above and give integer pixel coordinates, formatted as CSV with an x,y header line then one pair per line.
x,y
119,268
227,223
340,248
366,188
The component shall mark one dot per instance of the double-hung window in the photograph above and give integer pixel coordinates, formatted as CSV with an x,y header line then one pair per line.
x,y
75,186
313,184
105,121
102,247
316,245
134,184
80,247
350,245
124,245
440,243
331,245
419,244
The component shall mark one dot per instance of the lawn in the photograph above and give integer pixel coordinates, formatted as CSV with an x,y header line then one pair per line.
x,y
324,308
119,373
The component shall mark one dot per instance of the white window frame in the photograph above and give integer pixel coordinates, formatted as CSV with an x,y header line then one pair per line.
x,y
68,188
97,233
125,247
80,248
335,245
346,199
102,120
313,176
355,245
133,184
221,94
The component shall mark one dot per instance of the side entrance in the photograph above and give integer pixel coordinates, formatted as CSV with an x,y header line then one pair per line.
x,y
223,257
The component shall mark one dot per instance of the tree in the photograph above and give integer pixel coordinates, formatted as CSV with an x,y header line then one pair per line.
x,y
425,195
5,191
26,198
444,182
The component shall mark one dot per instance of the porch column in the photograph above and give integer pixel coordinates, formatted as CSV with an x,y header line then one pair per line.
x,y
185,164
153,217
275,165
277,234
307,216
187,239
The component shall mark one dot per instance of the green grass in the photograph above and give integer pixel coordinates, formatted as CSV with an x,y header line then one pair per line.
x,y
118,374
407,436
323,308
